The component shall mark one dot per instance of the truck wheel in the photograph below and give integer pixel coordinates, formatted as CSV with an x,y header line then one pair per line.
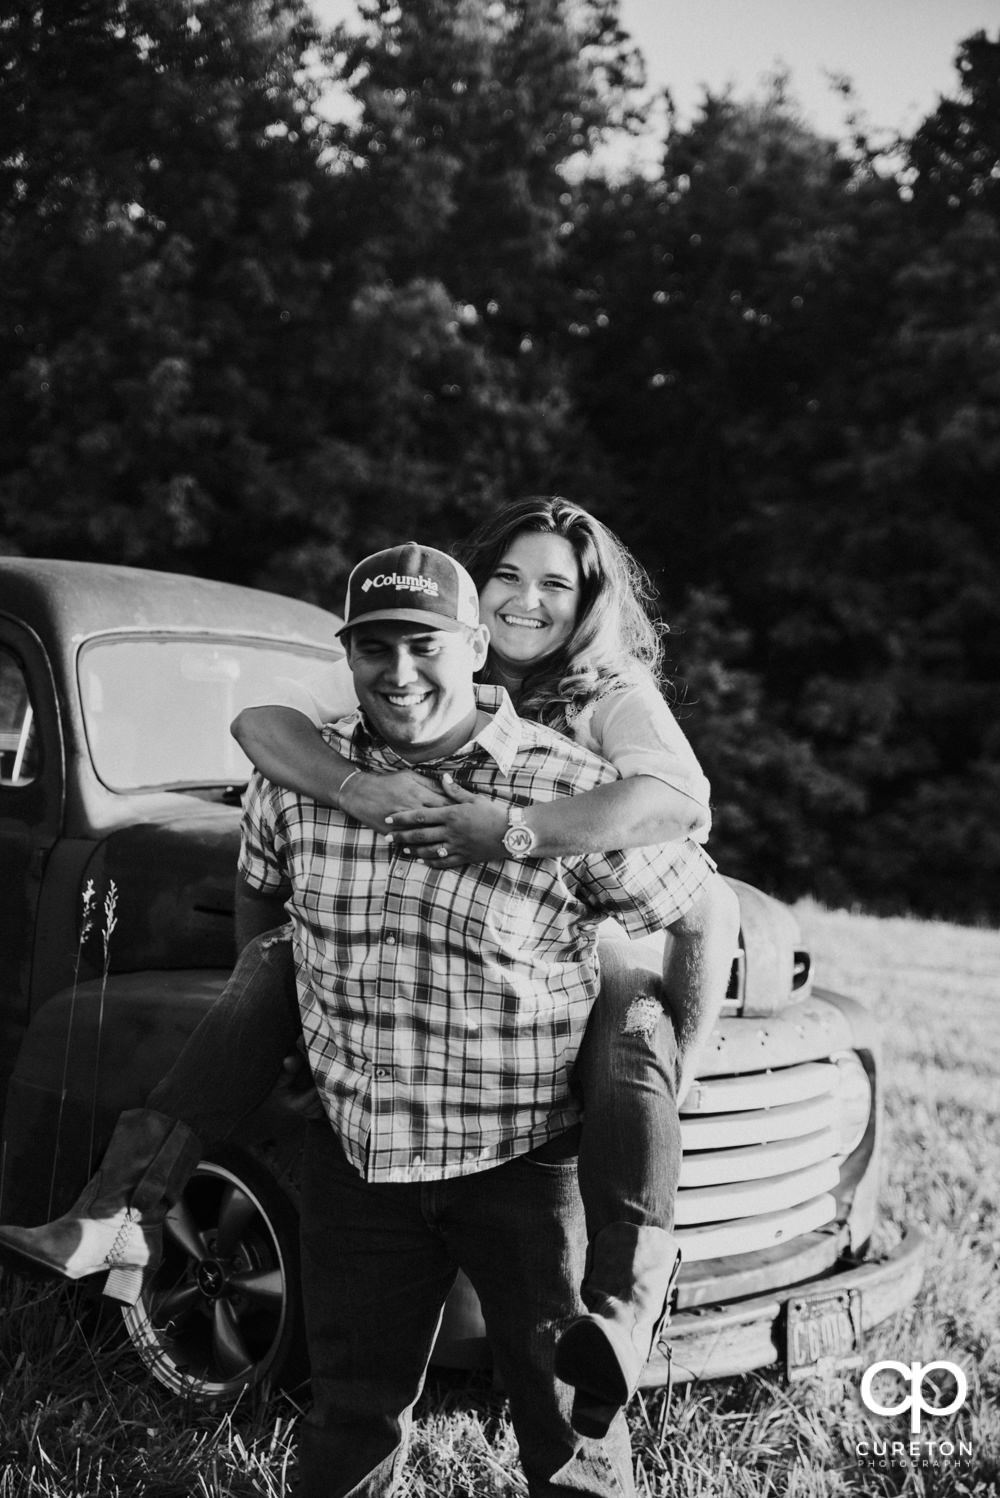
x,y
222,1314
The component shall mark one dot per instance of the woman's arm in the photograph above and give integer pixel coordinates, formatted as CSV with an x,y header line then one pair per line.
x,y
635,731
287,747
662,797
629,813
634,813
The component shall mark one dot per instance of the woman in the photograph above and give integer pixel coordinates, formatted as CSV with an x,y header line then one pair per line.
x,y
572,644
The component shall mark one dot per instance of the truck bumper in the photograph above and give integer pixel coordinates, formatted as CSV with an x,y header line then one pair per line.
x,y
726,1340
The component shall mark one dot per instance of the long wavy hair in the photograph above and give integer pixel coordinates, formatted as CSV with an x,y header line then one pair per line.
x,y
614,640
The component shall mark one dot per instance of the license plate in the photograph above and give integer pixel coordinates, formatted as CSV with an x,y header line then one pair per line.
x,y
823,1333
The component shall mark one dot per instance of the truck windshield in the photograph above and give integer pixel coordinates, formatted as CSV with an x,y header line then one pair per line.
x,y
157,708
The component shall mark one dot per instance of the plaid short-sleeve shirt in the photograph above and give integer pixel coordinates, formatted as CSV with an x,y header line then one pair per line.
x,y
443,1008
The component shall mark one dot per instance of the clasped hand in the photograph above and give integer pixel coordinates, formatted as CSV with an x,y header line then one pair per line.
x,y
469,828
445,826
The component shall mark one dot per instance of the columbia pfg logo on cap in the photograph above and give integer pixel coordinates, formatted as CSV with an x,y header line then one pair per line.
x,y
412,583
401,580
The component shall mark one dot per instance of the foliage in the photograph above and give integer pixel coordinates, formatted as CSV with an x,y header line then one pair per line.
x,y
452,387
797,378
777,807
160,166
245,339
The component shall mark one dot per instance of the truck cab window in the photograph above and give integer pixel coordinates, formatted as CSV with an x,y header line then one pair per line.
x,y
19,756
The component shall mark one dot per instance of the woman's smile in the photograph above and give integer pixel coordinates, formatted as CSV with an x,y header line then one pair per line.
x,y
519,621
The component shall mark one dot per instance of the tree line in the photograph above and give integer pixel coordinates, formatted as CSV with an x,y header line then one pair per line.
x,y
251,336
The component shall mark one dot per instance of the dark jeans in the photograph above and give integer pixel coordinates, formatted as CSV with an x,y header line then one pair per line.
x,y
626,1073
378,1262
232,1060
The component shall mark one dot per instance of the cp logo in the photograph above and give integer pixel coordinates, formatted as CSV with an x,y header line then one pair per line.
x,y
914,1374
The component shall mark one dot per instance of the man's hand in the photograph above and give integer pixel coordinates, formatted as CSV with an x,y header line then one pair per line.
x,y
467,828
373,798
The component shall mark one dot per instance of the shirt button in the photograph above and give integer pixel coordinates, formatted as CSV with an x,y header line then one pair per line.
x,y
380,1071
390,940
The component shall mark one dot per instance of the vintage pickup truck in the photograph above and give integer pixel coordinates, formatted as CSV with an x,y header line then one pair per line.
x,y
119,814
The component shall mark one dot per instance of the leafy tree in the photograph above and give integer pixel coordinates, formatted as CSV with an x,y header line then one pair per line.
x,y
158,188
792,364
460,201
470,114
954,153
779,810
919,484
722,294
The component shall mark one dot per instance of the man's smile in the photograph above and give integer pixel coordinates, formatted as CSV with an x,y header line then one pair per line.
x,y
405,699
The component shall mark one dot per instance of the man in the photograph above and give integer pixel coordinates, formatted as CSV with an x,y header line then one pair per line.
x,y
442,1011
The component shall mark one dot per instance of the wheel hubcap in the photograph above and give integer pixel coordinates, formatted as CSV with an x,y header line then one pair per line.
x,y
211,1278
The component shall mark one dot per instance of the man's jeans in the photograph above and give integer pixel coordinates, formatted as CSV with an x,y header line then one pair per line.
x,y
378,1262
626,1073
518,1230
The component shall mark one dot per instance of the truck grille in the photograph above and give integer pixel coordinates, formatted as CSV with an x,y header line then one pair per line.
x,y
760,1162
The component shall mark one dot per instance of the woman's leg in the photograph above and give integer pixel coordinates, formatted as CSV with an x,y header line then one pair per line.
x,y
227,1069
629,1165
630,1148
232,1060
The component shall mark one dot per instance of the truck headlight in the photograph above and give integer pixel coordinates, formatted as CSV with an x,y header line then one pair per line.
x,y
854,1100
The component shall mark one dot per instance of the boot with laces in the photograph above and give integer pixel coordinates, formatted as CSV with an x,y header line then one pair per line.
x,y
115,1227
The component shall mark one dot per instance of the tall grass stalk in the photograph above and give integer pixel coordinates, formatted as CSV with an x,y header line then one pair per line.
x,y
107,931
86,926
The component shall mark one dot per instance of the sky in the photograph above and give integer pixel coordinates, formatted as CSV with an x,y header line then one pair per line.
x,y
899,54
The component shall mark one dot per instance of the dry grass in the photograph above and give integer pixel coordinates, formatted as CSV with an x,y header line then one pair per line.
x,y
79,1419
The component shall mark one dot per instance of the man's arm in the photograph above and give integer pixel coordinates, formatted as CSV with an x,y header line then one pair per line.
x,y
257,911
697,959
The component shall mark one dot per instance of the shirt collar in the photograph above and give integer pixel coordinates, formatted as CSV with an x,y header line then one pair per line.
x,y
499,738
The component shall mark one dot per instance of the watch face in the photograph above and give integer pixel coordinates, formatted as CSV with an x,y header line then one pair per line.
x,y
519,841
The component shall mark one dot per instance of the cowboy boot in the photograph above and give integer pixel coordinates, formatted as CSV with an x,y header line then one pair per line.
x,y
116,1224
630,1276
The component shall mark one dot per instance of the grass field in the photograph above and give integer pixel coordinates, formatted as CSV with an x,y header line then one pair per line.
x,y
78,1419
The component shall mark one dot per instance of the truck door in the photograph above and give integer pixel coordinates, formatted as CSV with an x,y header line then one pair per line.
x,y
31,805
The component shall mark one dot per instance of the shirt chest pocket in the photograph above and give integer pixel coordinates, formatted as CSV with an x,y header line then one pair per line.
x,y
514,922
530,933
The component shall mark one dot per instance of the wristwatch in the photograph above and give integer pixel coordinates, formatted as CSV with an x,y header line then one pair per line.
x,y
518,839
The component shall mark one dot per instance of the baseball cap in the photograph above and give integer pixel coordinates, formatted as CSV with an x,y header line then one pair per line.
x,y
411,582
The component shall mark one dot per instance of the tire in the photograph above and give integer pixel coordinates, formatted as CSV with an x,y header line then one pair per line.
x,y
222,1314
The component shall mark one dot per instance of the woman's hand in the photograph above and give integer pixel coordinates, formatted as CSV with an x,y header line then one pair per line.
x,y
468,828
374,798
